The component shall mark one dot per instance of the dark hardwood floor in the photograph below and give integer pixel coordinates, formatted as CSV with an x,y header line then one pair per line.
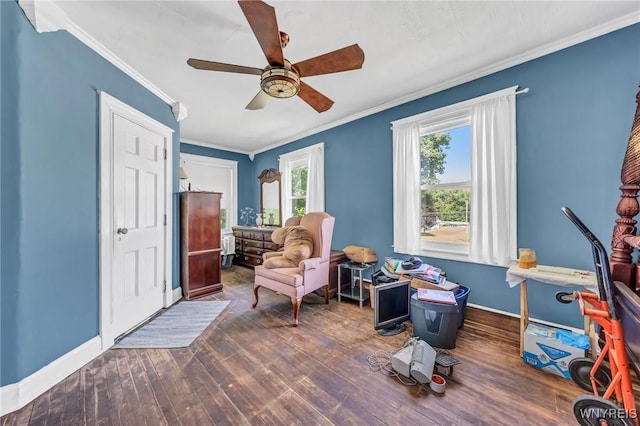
x,y
251,367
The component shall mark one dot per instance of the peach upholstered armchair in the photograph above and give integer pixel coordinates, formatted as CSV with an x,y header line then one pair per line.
x,y
311,274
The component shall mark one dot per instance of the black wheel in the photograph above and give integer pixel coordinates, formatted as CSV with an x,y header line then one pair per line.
x,y
580,369
593,410
564,297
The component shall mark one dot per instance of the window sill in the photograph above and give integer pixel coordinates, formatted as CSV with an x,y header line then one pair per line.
x,y
459,257
444,254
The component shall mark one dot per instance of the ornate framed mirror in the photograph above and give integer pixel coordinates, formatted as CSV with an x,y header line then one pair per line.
x,y
270,197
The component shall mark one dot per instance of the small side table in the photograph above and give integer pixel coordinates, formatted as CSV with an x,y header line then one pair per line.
x,y
356,283
586,279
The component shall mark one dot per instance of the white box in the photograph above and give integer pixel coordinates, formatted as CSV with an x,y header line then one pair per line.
x,y
543,349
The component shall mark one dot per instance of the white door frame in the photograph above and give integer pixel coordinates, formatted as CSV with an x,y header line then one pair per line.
x,y
110,106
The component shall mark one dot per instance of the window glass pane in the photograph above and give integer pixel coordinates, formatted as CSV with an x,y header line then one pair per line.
x,y
445,181
223,218
299,206
299,181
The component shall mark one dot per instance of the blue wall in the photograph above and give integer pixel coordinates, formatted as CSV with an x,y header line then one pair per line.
x,y
49,164
573,127
572,132
247,177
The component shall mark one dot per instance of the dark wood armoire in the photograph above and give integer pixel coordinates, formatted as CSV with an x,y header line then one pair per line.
x,y
201,254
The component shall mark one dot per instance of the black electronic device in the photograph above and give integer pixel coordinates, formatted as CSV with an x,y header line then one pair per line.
x,y
445,359
411,263
392,307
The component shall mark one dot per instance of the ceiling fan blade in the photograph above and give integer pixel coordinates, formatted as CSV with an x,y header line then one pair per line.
x,y
345,59
201,64
263,23
259,101
315,99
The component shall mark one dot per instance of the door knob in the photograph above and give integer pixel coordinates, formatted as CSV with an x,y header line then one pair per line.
x,y
122,231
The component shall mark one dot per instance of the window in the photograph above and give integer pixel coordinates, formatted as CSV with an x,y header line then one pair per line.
x,y
445,186
215,175
454,172
299,177
302,181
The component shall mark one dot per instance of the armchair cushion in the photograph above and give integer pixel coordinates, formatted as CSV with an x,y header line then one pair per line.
x,y
286,276
297,244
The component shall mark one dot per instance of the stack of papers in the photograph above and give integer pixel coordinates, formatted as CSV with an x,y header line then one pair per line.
x,y
438,296
429,273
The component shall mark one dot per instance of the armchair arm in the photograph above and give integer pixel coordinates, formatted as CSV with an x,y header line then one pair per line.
x,y
309,264
315,273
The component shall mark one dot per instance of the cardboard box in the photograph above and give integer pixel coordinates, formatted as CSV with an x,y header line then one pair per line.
x,y
543,349
418,283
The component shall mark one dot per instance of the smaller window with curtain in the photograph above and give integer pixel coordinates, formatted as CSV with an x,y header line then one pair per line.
x,y
302,181
454,172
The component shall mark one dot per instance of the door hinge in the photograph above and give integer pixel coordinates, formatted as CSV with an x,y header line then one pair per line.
x,y
164,286
165,153
164,220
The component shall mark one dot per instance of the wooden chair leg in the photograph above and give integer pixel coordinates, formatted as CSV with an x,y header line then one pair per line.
x,y
296,310
255,293
326,293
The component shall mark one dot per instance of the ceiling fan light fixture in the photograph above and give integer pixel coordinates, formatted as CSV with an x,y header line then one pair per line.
x,y
280,82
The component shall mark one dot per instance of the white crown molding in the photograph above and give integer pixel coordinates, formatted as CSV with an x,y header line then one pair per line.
x,y
607,27
179,111
17,395
46,16
214,146
101,50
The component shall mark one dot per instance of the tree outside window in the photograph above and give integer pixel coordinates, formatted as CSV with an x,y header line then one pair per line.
x,y
299,189
223,218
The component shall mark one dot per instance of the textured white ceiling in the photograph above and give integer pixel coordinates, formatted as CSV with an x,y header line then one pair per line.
x,y
411,48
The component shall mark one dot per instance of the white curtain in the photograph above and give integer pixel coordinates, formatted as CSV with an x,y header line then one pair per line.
x,y
493,181
406,188
315,179
285,187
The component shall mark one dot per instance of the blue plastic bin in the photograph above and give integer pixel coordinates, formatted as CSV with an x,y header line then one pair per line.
x,y
461,299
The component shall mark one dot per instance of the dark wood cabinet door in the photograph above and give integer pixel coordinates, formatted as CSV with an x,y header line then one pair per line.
x,y
201,263
203,216
204,273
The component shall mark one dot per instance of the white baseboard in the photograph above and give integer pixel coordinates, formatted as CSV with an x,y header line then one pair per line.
x,y
9,398
16,395
536,320
177,294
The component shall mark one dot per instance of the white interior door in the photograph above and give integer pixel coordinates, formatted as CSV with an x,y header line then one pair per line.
x,y
138,188
135,200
